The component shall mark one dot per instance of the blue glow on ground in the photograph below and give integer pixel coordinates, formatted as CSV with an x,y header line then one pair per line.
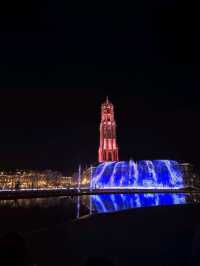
x,y
142,174
117,202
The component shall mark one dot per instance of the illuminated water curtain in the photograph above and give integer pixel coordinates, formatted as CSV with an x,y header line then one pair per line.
x,y
157,174
118,202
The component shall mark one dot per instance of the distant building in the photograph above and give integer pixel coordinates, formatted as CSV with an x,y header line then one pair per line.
x,y
188,173
30,179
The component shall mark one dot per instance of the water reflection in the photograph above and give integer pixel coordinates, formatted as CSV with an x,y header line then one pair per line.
x,y
117,202
103,203
35,202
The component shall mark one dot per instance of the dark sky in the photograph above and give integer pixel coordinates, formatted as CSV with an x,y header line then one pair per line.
x,y
58,62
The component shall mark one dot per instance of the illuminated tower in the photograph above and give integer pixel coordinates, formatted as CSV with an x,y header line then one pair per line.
x,y
108,149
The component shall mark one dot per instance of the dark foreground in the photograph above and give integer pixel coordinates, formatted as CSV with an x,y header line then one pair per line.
x,y
168,235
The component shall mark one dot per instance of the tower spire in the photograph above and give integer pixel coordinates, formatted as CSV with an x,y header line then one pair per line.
x,y
107,101
108,149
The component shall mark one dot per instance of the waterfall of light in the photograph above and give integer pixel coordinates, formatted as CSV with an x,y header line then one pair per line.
x,y
97,177
129,173
173,175
112,178
151,171
135,171
157,174
119,177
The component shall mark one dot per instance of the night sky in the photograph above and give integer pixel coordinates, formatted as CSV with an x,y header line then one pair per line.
x,y
59,62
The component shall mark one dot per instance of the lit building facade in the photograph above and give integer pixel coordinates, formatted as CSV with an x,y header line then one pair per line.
x,y
108,148
22,179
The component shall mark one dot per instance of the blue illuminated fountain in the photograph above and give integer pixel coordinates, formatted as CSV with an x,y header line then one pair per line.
x,y
144,174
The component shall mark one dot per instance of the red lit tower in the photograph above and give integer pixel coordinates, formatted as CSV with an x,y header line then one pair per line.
x,y
108,149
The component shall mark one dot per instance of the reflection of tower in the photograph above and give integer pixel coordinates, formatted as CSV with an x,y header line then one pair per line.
x,y
108,149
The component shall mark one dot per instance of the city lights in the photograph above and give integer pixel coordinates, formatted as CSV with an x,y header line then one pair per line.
x,y
32,180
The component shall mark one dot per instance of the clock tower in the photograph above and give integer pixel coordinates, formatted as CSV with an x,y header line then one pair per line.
x,y
108,149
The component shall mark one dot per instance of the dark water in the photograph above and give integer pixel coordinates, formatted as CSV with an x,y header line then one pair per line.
x,y
106,203
36,202
31,218
100,203
28,214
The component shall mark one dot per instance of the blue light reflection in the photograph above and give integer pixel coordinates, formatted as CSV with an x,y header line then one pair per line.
x,y
117,202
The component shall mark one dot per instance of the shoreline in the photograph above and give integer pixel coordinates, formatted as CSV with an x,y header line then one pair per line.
x,y
40,193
